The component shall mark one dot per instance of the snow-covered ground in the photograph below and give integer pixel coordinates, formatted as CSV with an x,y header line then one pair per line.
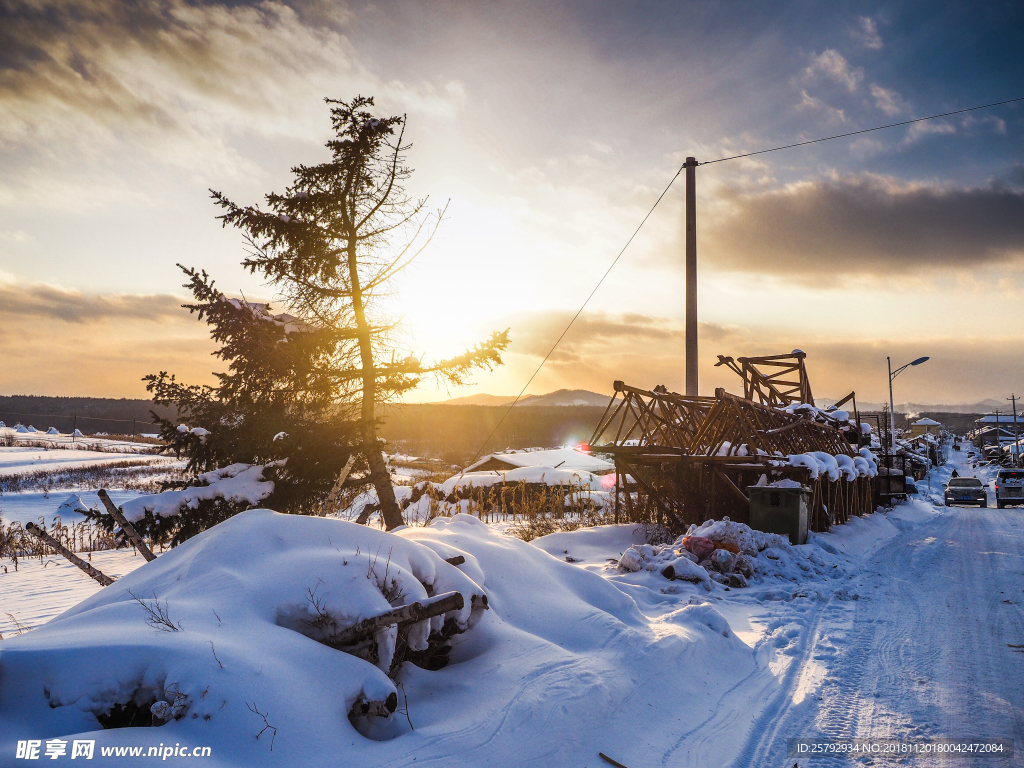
x,y
60,439
30,506
896,625
17,460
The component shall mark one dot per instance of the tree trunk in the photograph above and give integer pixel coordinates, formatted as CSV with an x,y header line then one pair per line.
x,y
379,476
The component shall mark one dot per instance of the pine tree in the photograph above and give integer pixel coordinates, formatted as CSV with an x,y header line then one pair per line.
x,y
276,405
331,246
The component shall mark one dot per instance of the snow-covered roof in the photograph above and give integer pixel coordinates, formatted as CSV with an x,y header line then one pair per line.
x,y
926,423
558,458
1003,418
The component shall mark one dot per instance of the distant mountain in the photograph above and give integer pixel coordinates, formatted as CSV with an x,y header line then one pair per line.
x,y
985,406
563,397
567,397
483,399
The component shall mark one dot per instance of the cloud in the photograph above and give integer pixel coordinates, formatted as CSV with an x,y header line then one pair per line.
x,y
831,64
927,128
866,33
59,342
646,350
864,147
56,303
867,225
831,114
890,102
175,84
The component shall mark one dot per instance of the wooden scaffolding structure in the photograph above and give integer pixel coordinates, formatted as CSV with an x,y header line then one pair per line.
x,y
691,458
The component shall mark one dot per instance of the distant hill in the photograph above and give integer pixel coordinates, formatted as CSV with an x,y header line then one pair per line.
x,y
563,397
985,406
481,399
89,414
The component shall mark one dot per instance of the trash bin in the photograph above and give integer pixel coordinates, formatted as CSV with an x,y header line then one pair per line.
x,y
780,510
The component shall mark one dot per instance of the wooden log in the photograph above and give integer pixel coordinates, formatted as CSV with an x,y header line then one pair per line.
x,y
331,504
457,560
101,577
127,527
404,615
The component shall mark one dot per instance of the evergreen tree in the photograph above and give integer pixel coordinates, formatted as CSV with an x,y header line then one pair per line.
x,y
330,245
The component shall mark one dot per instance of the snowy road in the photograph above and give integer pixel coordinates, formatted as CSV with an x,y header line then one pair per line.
x,y
925,653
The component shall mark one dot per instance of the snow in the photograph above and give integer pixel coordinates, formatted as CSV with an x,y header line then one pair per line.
x,y
31,506
542,675
236,483
17,460
542,474
562,458
576,655
52,431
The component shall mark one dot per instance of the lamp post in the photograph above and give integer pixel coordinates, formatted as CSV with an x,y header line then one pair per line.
x,y
892,416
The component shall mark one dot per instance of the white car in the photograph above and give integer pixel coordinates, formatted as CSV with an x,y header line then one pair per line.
x,y
1009,487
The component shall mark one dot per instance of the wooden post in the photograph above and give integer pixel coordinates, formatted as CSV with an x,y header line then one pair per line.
x,y
406,614
102,578
127,527
691,276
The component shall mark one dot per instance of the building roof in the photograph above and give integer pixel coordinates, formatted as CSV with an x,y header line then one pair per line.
x,y
1004,418
558,458
925,423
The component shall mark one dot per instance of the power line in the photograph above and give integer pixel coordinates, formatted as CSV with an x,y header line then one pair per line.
x,y
865,130
579,311
662,195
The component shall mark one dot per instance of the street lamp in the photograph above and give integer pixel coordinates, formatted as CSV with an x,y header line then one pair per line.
x,y
892,417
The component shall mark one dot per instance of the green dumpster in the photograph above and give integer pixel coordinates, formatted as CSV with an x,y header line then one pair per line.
x,y
780,510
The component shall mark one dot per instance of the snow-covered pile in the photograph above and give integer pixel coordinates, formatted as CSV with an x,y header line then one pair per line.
x,y
824,464
733,554
580,478
545,671
71,507
52,431
236,483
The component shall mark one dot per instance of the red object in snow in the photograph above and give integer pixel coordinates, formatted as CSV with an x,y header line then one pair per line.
x,y
699,546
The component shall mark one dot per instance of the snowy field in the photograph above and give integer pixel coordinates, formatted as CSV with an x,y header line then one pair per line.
x,y
896,625
33,505
18,460
73,442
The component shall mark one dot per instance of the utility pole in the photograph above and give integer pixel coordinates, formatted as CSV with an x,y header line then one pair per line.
x,y
1016,436
691,276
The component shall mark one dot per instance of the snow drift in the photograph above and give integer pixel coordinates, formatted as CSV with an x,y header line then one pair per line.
x,y
546,671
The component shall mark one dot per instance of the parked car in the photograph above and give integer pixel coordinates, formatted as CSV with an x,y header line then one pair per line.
x,y
966,490
1009,487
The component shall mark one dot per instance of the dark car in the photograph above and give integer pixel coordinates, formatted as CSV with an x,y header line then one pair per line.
x,y
966,490
1009,487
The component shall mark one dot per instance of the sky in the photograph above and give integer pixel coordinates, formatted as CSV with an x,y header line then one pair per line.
x,y
548,129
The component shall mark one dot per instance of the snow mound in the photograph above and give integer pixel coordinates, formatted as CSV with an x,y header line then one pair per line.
x,y
73,504
730,553
745,538
52,431
560,646
236,483
240,604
